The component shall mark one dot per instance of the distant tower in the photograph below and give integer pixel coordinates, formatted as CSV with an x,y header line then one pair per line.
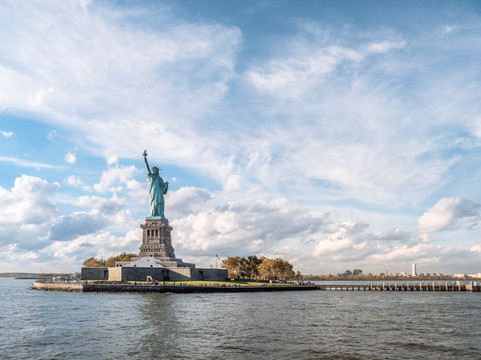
x,y
414,272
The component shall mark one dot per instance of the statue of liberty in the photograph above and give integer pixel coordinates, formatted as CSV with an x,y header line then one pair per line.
x,y
157,189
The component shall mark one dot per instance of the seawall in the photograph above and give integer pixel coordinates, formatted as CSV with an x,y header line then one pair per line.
x,y
58,286
159,288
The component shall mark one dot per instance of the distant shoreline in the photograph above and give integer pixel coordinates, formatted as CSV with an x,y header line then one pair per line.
x,y
384,278
25,275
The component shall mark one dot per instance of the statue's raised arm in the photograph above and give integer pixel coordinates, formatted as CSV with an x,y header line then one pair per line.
x,y
145,160
157,189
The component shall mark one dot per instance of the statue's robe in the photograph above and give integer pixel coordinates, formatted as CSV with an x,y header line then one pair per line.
x,y
157,190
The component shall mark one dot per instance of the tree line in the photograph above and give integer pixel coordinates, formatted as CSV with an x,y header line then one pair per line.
x,y
252,267
110,262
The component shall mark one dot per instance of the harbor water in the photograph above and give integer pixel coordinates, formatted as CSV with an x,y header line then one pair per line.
x,y
286,325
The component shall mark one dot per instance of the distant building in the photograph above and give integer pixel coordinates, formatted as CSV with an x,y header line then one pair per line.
x,y
474,275
414,271
347,273
463,276
357,272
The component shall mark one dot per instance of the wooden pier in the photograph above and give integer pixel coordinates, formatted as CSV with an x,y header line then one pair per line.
x,y
405,286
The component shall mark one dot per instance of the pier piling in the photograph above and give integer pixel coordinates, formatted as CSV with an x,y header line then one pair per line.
x,y
419,287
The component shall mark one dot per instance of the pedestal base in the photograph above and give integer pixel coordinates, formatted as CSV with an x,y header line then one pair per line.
x,y
156,240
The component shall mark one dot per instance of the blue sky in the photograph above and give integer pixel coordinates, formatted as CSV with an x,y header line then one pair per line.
x,y
337,135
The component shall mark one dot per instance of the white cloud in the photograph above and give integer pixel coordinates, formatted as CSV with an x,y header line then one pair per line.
x,y
347,245
70,158
233,183
37,99
112,212
450,28
244,226
100,244
353,131
27,163
396,234
342,130
292,76
345,240
51,135
305,66
73,181
26,212
114,84
112,159
445,212
31,224
102,205
385,46
206,223
76,224
11,252
6,134
116,178
187,200
27,202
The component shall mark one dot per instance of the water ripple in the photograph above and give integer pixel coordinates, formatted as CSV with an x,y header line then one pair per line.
x,y
297,325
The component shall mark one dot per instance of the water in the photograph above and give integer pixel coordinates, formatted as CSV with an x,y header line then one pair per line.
x,y
292,325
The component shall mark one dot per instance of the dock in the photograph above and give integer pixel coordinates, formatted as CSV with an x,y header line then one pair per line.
x,y
405,286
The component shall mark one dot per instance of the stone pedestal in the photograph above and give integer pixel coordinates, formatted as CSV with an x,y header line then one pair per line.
x,y
156,240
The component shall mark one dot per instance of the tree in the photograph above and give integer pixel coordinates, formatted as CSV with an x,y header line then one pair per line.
x,y
266,269
252,266
276,269
233,266
110,262
93,262
285,269
120,257
244,268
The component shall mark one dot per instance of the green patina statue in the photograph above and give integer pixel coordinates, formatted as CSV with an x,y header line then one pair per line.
x,y
157,189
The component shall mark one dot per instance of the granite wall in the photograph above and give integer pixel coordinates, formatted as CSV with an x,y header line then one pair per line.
x,y
158,274
209,274
95,273
140,274
115,274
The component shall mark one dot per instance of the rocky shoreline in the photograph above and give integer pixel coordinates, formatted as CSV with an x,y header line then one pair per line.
x,y
72,286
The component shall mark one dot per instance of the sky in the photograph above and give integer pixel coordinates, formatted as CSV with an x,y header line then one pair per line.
x,y
334,134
